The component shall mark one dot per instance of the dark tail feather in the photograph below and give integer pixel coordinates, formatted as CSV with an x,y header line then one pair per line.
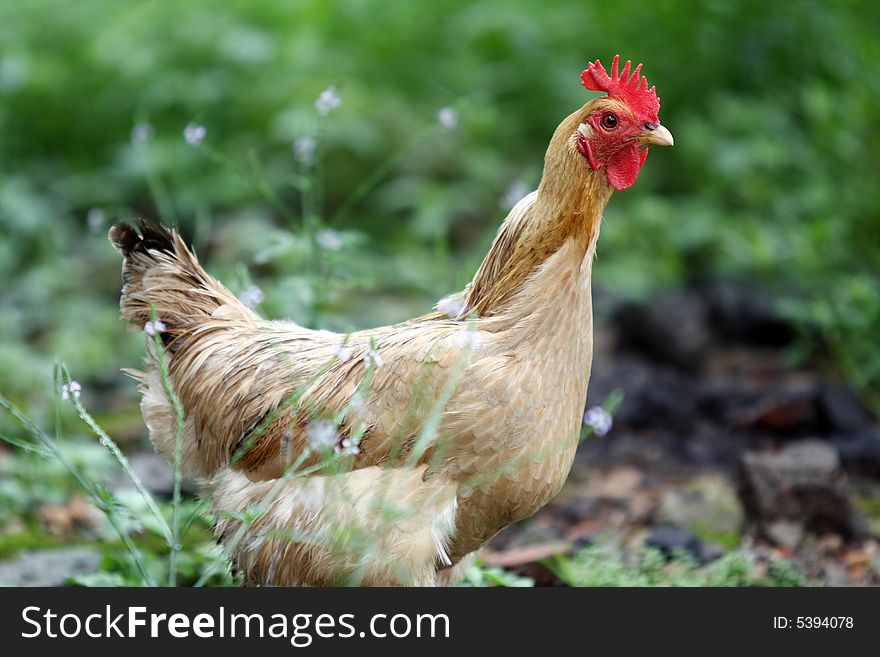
x,y
152,236
160,272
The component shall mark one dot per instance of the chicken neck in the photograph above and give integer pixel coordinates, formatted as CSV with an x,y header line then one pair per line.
x,y
566,211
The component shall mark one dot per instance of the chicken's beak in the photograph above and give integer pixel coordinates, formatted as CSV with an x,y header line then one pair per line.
x,y
656,135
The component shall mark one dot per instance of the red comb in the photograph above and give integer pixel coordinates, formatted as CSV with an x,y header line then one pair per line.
x,y
633,90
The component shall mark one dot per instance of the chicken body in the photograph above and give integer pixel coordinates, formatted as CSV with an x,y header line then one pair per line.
x,y
464,424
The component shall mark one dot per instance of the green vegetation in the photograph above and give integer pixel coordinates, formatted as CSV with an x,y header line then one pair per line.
x,y
601,566
773,179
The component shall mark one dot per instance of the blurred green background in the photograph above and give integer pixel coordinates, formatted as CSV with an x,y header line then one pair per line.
x,y
773,180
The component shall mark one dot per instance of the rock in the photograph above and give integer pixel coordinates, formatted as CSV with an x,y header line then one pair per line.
x,y
710,551
582,508
708,504
860,453
654,397
721,399
670,330
48,567
785,533
670,540
842,411
802,483
709,446
745,313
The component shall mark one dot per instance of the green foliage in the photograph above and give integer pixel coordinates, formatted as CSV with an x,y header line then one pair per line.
x,y
136,533
602,566
845,323
480,576
772,177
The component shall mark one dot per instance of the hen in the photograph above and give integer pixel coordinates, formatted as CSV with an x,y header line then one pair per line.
x,y
389,456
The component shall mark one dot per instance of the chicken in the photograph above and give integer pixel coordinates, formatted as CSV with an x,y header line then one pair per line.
x,y
389,456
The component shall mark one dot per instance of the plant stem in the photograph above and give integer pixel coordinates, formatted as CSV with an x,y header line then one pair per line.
x,y
179,424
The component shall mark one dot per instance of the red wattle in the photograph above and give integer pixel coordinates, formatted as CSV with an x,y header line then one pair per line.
x,y
584,147
623,167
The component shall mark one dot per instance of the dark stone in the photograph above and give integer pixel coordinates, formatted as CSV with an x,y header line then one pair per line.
x,y
842,411
802,483
670,540
745,313
583,508
717,400
670,330
654,397
708,445
710,551
860,454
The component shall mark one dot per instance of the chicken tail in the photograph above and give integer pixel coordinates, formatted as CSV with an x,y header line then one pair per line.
x,y
159,272
161,275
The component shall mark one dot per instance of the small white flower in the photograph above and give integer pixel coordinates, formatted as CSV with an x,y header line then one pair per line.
x,y
453,305
329,239
328,101
599,420
96,219
252,296
194,133
342,352
447,118
305,150
322,436
70,390
469,339
151,328
347,448
373,358
514,194
141,133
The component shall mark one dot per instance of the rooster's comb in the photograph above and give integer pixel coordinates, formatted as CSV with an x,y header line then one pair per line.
x,y
633,90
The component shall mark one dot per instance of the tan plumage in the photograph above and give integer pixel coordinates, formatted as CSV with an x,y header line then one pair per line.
x,y
413,505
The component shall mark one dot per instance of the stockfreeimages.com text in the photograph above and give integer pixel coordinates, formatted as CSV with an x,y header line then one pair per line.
x,y
299,629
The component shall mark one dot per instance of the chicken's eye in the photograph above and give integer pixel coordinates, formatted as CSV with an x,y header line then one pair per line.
x,y
609,121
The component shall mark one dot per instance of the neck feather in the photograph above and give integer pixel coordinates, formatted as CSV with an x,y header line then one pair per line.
x,y
566,208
